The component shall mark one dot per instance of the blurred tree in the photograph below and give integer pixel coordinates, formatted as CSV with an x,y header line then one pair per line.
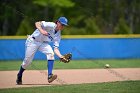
x,y
13,14
122,27
18,15
25,28
91,26
56,5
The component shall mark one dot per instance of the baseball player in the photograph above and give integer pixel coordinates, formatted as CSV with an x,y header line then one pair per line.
x,y
46,32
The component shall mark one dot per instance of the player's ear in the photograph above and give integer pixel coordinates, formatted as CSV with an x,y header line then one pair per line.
x,y
56,22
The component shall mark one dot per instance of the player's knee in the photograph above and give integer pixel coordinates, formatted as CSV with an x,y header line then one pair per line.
x,y
26,63
50,56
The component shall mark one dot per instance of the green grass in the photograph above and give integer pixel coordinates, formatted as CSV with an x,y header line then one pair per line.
x,y
74,64
113,87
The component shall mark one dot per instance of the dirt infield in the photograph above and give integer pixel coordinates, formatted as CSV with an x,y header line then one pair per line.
x,y
71,76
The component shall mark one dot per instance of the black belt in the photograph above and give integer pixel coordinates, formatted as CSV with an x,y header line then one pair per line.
x,y
38,41
33,37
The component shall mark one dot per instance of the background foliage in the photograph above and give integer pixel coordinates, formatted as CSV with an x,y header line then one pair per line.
x,y
17,17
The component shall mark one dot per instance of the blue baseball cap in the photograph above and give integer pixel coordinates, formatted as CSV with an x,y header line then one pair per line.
x,y
63,20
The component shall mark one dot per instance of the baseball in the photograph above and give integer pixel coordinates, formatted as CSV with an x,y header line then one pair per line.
x,y
107,65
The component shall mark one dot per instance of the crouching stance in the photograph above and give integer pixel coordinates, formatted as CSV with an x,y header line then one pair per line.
x,y
45,33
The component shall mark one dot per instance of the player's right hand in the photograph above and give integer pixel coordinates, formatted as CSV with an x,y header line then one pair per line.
x,y
38,26
44,32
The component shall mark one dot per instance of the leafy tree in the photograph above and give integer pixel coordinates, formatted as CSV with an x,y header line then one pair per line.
x,y
122,27
18,16
25,28
91,26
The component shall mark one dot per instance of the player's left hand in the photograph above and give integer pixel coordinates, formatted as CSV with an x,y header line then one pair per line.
x,y
66,58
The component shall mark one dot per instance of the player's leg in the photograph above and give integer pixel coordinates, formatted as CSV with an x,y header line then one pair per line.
x,y
31,48
46,49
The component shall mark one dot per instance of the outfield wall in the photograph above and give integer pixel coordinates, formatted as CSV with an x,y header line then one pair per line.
x,y
82,47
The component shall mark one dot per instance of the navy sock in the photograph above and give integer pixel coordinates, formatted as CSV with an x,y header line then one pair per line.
x,y
50,66
20,72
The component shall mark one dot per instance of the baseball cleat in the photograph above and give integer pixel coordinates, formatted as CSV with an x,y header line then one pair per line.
x,y
19,81
51,78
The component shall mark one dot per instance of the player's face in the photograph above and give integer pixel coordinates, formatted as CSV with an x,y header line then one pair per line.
x,y
60,26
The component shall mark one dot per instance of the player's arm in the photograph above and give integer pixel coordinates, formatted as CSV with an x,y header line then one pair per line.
x,y
63,58
38,26
57,52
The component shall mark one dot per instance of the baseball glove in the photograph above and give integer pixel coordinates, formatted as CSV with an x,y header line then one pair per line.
x,y
66,58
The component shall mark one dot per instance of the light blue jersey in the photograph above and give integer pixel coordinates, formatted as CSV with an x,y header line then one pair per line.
x,y
38,41
53,36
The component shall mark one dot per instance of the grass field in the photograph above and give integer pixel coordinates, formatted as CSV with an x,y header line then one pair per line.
x,y
113,87
74,64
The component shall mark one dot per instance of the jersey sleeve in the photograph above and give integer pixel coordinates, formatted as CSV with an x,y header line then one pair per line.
x,y
48,24
43,23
